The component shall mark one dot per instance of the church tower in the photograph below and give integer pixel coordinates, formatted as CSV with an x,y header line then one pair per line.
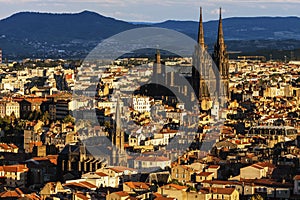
x,y
157,64
200,71
220,58
118,155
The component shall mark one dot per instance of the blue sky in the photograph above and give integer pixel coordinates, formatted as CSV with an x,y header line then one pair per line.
x,y
156,10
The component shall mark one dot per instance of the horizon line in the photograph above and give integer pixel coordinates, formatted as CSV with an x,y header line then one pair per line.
x,y
145,22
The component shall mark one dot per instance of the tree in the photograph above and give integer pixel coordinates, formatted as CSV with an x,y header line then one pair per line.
x,y
45,117
68,119
257,197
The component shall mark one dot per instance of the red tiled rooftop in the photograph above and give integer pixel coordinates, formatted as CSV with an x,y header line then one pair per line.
x,y
297,177
205,174
121,194
175,186
137,185
15,168
214,166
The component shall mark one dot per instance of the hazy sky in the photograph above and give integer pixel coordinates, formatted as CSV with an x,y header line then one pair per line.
x,y
156,10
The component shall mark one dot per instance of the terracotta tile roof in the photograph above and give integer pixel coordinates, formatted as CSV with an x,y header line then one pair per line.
x,y
227,191
257,166
101,174
81,196
33,196
121,194
297,177
83,184
9,194
214,166
205,174
15,168
137,185
119,169
157,194
131,198
164,198
175,186
265,164
53,159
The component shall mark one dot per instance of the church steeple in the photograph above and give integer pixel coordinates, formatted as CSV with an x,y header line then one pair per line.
x,y
200,31
220,40
118,153
119,134
220,57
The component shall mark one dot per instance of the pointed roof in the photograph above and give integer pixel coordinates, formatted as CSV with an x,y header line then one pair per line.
x,y
220,40
200,31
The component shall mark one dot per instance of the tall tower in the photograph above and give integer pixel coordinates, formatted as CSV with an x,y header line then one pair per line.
x,y
200,76
118,155
157,64
220,58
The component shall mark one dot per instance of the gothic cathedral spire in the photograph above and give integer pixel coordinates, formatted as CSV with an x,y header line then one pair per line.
x,y
220,58
118,154
220,40
200,31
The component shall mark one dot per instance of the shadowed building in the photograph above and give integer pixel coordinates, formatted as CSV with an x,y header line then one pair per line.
x,y
210,83
221,60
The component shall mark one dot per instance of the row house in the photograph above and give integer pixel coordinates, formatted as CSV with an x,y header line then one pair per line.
x,y
15,175
7,108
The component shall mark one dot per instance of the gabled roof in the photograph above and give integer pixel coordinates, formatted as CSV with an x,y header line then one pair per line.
x,y
297,177
174,186
205,174
83,184
11,193
214,167
119,169
121,194
14,168
137,185
227,191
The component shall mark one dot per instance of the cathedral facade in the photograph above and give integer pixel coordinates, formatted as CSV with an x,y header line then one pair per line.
x,y
211,82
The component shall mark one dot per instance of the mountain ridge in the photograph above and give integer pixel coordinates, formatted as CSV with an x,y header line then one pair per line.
x,y
34,34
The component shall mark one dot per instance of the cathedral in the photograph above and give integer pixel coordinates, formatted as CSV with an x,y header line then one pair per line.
x,y
209,80
211,83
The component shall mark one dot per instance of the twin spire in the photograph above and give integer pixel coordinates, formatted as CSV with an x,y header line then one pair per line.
x,y
220,39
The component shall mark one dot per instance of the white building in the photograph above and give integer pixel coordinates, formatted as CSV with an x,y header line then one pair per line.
x,y
142,103
144,162
9,107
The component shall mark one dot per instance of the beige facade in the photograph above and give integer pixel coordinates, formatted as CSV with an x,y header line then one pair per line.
x,y
15,175
9,107
117,196
173,190
182,173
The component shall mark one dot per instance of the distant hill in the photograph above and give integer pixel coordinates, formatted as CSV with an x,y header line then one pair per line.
x,y
242,28
59,28
31,34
